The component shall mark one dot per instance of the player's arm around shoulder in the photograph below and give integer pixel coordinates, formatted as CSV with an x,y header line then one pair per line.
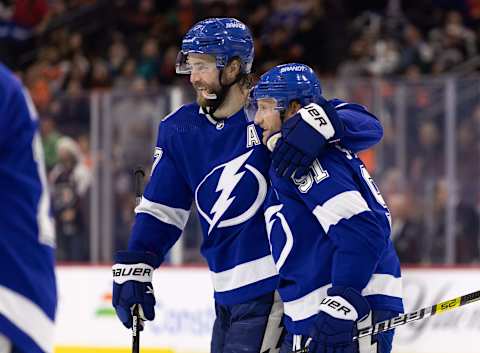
x,y
362,129
307,134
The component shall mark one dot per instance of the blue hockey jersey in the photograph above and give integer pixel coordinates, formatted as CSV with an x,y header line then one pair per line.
x,y
331,227
27,234
223,167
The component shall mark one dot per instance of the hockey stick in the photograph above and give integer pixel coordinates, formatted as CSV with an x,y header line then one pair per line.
x,y
136,323
419,314
401,320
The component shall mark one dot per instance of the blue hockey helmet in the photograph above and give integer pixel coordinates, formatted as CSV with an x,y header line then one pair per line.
x,y
224,38
285,83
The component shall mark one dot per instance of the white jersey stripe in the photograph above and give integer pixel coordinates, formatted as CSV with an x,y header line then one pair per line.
x,y
342,206
306,306
175,216
244,274
46,224
28,317
384,284
309,305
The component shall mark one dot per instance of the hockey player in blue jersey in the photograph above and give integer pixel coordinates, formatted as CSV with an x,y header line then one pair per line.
x,y
27,233
329,230
208,153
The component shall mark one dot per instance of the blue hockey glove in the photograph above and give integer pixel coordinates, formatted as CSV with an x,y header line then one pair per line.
x,y
132,284
303,137
336,324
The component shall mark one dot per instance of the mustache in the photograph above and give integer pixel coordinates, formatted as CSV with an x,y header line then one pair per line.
x,y
198,86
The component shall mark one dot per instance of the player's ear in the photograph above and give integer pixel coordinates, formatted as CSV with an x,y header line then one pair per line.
x,y
293,107
233,69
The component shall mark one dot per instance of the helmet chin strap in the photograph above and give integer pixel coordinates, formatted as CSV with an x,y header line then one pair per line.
x,y
215,103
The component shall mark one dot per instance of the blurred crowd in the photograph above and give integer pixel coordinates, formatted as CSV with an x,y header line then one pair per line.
x,y
66,49
77,45
427,165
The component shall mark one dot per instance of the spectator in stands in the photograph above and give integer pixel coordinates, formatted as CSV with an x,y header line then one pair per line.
x,y
117,54
467,229
357,62
407,230
127,75
50,137
416,50
100,75
468,168
453,43
426,162
69,181
167,70
133,117
149,62
73,115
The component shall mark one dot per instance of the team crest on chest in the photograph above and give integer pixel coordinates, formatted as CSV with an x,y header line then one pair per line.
x,y
231,193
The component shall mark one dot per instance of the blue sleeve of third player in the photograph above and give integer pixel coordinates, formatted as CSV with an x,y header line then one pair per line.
x,y
14,113
165,206
362,129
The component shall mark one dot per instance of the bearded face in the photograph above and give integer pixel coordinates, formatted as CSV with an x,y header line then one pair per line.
x,y
207,93
204,77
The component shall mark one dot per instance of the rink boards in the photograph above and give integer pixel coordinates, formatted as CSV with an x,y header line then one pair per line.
x,y
86,322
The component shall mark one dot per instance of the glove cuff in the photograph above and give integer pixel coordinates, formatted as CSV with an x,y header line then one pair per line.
x,y
335,120
135,257
353,297
319,119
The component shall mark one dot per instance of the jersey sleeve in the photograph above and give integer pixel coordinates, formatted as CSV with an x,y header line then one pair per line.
x,y
362,129
345,216
165,206
4,119
17,113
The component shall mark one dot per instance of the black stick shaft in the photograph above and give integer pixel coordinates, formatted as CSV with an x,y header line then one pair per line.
x,y
419,314
139,175
413,316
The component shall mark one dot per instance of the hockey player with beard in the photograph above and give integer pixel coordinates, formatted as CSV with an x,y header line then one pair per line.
x,y
209,153
329,230
28,295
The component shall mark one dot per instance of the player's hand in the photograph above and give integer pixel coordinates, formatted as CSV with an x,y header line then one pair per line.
x,y
336,323
132,284
303,138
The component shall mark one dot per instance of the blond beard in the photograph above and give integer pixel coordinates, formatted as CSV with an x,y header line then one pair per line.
x,y
202,101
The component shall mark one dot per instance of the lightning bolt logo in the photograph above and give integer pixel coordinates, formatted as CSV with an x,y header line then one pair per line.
x,y
227,182
229,178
